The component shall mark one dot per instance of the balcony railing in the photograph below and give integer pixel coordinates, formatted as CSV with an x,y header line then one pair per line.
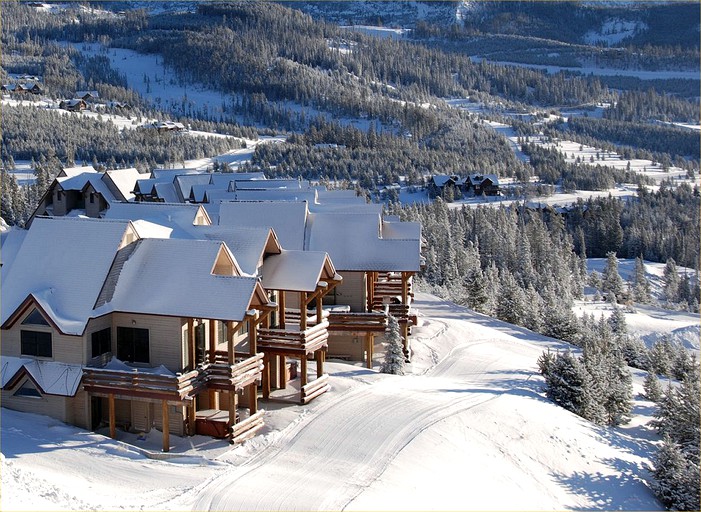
x,y
142,382
357,322
292,342
222,375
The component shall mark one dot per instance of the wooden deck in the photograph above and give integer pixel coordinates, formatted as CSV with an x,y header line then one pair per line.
x,y
142,384
357,322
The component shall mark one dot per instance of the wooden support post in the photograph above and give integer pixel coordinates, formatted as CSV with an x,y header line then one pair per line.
x,y
319,363
281,305
166,427
190,344
233,405
319,310
405,287
253,399
213,399
212,340
253,335
113,425
369,345
302,311
191,418
266,376
368,291
303,370
282,372
230,333
405,338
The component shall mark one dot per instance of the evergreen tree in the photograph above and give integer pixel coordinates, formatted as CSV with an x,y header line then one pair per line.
x,y
676,476
611,279
652,387
671,280
641,285
394,357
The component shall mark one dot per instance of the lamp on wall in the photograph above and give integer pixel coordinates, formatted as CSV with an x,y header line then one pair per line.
x,y
133,322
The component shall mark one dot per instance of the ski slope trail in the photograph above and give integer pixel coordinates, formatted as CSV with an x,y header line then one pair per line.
x,y
335,456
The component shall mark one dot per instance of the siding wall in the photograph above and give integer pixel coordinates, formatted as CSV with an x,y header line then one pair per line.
x,y
67,349
165,337
54,406
352,291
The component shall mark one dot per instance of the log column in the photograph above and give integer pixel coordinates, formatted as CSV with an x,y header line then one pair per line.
x,y
281,306
113,425
319,363
166,426
213,395
190,344
266,376
253,398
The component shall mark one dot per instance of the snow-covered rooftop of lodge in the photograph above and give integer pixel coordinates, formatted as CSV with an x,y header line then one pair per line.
x,y
167,192
394,230
184,183
276,194
63,263
248,245
296,270
180,217
346,206
287,218
125,180
173,277
79,181
10,242
52,377
353,242
70,172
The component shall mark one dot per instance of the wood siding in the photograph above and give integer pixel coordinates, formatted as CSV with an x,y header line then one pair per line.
x,y
165,337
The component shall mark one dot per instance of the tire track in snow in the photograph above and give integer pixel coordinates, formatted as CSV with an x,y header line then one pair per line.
x,y
349,444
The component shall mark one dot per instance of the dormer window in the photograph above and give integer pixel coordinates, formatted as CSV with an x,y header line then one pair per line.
x,y
28,390
36,343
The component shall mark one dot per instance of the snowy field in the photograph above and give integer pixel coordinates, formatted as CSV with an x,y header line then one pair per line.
x,y
469,429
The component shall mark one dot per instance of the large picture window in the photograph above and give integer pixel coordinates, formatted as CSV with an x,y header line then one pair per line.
x,y
101,342
132,344
36,343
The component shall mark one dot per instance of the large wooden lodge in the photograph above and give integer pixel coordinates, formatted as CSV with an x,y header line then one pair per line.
x,y
123,311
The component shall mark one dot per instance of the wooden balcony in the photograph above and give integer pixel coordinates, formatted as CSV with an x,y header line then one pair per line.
x,y
362,323
221,375
142,383
293,342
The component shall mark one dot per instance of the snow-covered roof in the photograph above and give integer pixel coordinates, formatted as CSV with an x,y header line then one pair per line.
x,y
272,184
167,192
183,183
79,181
353,242
346,206
174,278
170,174
10,240
69,172
51,377
248,245
197,192
401,230
124,181
9,366
180,217
276,194
62,264
478,179
287,218
296,270
339,195
440,180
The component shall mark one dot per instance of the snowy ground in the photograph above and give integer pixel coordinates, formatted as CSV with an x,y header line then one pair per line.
x,y
469,429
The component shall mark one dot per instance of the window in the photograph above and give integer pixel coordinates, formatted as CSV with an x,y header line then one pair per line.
x,y
199,343
132,344
243,329
36,343
101,342
35,318
29,390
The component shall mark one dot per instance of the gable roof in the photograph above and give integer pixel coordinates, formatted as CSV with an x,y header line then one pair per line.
x,y
297,270
122,182
69,172
50,377
247,244
354,244
287,218
61,265
173,277
180,217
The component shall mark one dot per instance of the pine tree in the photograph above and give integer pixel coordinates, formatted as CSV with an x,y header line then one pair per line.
x,y
652,387
394,357
611,279
641,285
671,280
676,474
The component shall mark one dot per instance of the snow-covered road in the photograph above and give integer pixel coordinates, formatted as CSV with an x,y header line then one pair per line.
x,y
346,446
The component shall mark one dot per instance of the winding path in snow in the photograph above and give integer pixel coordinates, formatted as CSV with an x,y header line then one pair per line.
x,y
348,445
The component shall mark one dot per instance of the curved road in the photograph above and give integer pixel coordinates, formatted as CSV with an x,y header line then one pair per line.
x,y
348,445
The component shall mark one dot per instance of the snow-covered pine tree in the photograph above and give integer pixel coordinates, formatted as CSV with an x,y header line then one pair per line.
x,y
394,357
671,280
652,387
677,481
641,285
611,279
